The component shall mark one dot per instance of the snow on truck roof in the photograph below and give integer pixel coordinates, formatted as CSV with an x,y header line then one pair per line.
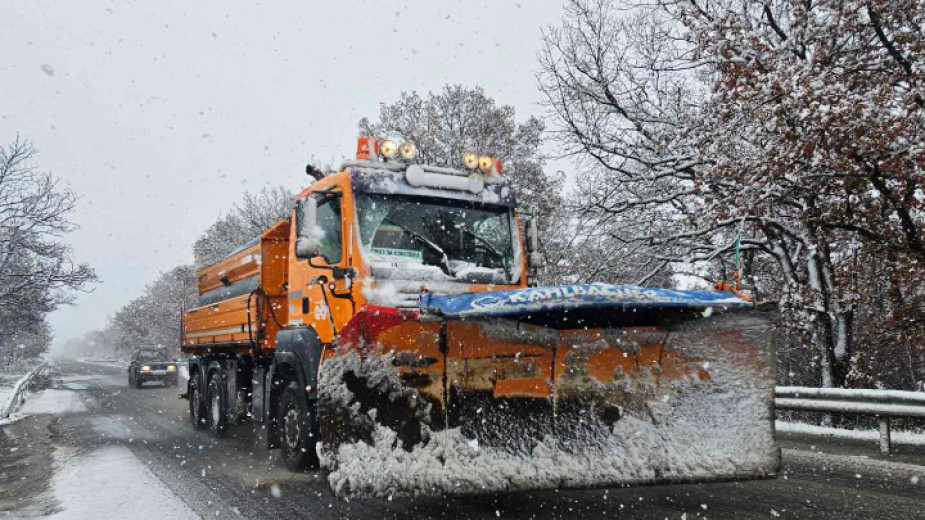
x,y
428,181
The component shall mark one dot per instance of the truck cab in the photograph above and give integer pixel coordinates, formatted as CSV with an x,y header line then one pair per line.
x,y
380,234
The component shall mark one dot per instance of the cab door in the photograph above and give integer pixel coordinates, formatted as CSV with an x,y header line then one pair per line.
x,y
319,294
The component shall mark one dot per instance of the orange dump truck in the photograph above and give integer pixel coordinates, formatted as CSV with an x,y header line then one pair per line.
x,y
389,331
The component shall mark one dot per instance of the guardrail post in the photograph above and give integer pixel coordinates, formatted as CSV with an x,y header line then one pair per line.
x,y
885,446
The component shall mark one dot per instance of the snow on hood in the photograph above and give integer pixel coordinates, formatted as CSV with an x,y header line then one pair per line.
x,y
398,284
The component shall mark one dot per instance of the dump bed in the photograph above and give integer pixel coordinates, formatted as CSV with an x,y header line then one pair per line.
x,y
234,295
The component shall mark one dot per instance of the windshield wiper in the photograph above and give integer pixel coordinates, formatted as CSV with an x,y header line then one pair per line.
x,y
491,249
444,260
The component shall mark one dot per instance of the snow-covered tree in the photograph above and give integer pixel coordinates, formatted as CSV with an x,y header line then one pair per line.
x,y
446,125
26,342
37,271
151,319
815,129
247,219
790,129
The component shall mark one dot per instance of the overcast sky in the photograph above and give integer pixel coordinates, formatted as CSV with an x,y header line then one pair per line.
x,y
159,114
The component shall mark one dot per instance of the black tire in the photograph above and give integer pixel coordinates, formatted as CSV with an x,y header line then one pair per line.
x,y
139,382
197,409
217,405
297,430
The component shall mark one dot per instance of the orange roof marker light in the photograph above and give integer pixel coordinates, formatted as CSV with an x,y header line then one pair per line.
x,y
495,168
367,149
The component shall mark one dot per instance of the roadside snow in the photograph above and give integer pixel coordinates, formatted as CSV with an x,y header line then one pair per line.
x,y
14,417
53,401
112,363
856,463
897,437
5,392
110,483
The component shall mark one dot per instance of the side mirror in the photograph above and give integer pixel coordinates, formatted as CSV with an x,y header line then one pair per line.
x,y
307,243
533,235
535,259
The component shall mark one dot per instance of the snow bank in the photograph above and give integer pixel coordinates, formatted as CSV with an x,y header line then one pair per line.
x,y
857,464
5,394
111,484
53,401
896,437
12,396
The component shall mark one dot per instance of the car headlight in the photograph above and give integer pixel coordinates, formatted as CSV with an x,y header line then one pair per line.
x,y
171,368
145,368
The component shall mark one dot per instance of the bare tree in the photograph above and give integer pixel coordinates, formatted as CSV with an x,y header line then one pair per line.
x,y
779,130
248,219
151,319
37,271
445,126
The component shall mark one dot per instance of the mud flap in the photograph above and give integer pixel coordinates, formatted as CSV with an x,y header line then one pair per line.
x,y
503,404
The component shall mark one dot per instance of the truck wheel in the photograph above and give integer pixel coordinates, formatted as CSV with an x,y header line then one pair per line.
x,y
138,382
218,405
296,431
197,411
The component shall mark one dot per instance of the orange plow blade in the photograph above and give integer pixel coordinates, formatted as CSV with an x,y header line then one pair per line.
x,y
412,405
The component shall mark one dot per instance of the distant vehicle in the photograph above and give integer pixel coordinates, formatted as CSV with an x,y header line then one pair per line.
x,y
152,364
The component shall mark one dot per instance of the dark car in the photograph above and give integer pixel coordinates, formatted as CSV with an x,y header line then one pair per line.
x,y
152,365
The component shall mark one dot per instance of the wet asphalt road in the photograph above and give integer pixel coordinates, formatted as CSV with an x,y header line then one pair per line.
x,y
236,477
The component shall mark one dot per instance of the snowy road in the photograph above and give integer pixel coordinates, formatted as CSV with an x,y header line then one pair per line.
x,y
91,425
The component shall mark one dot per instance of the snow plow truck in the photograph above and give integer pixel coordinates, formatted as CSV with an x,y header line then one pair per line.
x,y
390,332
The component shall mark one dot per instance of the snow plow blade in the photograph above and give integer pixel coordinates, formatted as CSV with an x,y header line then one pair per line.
x,y
558,387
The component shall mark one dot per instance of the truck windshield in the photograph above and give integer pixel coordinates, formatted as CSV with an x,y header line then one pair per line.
x,y
458,236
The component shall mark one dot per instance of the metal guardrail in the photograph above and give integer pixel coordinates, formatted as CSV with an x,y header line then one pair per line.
x,y
884,404
18,389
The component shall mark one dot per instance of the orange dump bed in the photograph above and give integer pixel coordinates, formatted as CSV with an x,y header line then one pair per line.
x,y
238,289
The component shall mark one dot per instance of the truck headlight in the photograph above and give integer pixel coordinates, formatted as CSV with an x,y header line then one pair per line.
x,y
145,368
171,368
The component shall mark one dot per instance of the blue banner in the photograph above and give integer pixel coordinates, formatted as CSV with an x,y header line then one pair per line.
x,y
567,297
